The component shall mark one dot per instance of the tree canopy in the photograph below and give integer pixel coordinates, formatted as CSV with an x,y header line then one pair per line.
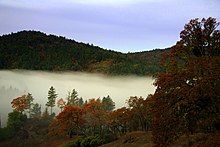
x,y
187,98
34,50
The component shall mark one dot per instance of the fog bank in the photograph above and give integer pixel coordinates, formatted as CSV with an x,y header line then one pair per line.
x,y
14,83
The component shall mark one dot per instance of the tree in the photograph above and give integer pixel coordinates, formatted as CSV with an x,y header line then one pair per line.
x,y
69,121
61,104
96,117
119,120
108,103
187,95
30,102
81,102
72,98
21,103
16,120
51,98
138,107
35,111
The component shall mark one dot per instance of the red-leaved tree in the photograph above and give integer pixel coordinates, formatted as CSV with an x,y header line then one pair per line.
x,y
21,103
70,121
187,98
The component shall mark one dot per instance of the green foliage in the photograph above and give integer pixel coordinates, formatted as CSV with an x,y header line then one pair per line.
x,y
33,50
108,103
16,120
81,102
75,143
35,112
51,98
72,98
90,141
30,101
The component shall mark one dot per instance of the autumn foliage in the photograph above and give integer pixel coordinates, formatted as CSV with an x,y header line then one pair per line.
x,y
119,120
21,103
186,100
187,96
69,120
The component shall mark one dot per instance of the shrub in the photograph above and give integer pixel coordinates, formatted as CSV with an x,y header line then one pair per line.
x,y
74,143
108,137
90,141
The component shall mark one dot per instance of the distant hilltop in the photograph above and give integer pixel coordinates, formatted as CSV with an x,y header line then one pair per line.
x,y
34,50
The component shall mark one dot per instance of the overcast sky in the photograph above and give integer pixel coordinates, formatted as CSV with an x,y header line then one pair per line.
x,y
121,25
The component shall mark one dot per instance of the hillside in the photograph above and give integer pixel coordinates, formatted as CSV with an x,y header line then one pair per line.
x,y
34,50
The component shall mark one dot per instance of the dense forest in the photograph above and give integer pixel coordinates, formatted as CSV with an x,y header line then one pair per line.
x,y
185,105
34,50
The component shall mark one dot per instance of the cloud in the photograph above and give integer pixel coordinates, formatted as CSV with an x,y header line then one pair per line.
x,y
106,2
39,4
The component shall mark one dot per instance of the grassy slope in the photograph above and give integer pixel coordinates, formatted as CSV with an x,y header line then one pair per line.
x,y
132,139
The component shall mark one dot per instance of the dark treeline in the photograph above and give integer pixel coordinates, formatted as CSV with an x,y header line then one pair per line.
x,y
34,50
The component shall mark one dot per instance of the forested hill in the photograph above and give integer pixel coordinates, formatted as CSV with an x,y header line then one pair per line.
x,y
34,50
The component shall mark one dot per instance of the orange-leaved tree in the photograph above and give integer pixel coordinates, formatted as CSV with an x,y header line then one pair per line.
x,y
119,120
187,98
21,103
96,117
70,121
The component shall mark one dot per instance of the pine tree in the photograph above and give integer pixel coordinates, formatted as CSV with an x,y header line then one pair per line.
x,y
35,111
51,98
81,102
109,105
30,102
72,98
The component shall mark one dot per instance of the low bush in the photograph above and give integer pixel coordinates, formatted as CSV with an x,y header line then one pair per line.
x,y
90,141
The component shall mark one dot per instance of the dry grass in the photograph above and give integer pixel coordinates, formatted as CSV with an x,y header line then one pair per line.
x,y
198,140
56,142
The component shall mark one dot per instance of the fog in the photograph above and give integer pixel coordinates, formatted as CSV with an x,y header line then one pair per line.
x,y
15,83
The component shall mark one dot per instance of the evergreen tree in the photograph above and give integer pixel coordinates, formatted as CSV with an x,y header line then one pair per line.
x,y
81,102
35,111
108,103
72,98
30,102
51,98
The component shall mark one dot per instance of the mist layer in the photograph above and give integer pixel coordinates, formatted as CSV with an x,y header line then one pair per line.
x,y
15,83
